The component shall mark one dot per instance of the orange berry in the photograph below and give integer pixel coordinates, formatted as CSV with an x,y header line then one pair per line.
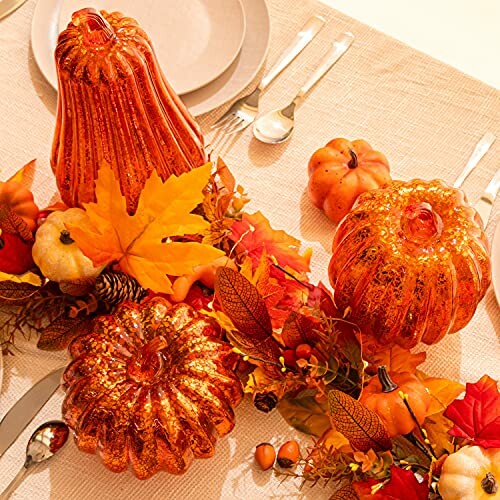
x,y
265,455
288,454
289,357
303,351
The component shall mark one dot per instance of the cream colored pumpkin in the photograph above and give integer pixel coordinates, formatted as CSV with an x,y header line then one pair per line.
x,y
470,473
56,254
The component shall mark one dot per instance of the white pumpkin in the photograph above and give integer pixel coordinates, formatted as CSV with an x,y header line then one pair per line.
x,y
56,253
471,473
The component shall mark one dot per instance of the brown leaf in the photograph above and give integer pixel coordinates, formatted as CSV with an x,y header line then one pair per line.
x,y
245,307
58,334
241,301
299,329
346,492
356,422
16,293
12,223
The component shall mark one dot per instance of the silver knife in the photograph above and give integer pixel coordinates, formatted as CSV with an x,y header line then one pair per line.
x,y
485,203
22,413
479,151
9,6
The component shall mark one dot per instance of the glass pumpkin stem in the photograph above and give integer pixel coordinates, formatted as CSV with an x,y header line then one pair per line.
x,y
489,484
95,30
420,223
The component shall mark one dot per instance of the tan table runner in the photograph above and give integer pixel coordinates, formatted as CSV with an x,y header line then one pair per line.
x,y
425,116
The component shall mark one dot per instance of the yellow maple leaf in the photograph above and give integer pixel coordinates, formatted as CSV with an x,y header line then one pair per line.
x,y
141,243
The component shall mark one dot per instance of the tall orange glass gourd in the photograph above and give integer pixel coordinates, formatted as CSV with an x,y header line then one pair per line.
x,y
115,107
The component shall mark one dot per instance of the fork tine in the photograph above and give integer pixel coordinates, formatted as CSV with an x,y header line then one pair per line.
x,y
223,119
230,124
238,128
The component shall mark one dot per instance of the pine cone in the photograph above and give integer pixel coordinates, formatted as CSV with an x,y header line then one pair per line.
x,y
265,401
113,287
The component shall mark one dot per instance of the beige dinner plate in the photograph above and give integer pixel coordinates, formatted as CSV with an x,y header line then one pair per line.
x,y
195,40
243,70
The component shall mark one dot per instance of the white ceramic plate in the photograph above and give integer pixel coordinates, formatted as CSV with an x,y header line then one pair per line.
x,y
195,40
495,261
244,68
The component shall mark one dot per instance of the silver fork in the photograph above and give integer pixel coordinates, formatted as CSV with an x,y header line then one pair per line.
x,y
242,113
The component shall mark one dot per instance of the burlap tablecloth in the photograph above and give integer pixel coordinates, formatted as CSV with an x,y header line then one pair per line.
x,y
424,115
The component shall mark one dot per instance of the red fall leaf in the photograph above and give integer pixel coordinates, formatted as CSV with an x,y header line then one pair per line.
x,y
477,415
403,485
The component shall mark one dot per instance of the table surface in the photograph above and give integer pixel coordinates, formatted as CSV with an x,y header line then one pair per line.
x,y
461,33
424,115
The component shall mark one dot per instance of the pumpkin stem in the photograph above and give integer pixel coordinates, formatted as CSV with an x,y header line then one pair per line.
x,y
65,238
489,484
388,385
353,162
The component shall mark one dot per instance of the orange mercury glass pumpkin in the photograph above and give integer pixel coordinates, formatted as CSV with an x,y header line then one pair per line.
x,y
116,107
341,171
152,386
411,261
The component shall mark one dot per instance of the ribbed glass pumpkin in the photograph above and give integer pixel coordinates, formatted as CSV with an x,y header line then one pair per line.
x,y
116,107
152,386
411,261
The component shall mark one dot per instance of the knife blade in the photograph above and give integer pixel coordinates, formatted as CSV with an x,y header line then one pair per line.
x,y
24,410
485,203
9,6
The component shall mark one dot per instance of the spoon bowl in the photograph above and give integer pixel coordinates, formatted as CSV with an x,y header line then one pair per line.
x,y
43,444
276,126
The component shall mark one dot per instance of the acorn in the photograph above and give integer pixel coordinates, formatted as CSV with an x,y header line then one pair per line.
x,y
265,454
288,454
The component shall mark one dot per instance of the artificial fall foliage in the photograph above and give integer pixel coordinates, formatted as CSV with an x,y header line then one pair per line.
x,y
361,426
142,244
477,415
402,485
243,304
255,234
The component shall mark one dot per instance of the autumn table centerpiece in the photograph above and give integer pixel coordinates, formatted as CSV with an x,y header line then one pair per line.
x,y
174,301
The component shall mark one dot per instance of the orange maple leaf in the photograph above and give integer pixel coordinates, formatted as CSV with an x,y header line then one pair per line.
x,y
255,234
141,243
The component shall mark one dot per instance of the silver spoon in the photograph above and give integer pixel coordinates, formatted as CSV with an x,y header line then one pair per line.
x,y
44,443
277,126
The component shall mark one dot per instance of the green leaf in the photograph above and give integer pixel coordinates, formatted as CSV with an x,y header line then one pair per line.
x,y
305,414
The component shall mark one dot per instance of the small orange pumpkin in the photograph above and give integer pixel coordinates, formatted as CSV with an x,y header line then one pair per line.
x,y
341,171
15,197
382,396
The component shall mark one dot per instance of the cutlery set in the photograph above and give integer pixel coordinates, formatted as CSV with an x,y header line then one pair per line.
x,y
46,440
277,126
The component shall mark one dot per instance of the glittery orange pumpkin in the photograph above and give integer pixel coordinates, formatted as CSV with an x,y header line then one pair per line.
x,y
152,386
411,261
115,107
